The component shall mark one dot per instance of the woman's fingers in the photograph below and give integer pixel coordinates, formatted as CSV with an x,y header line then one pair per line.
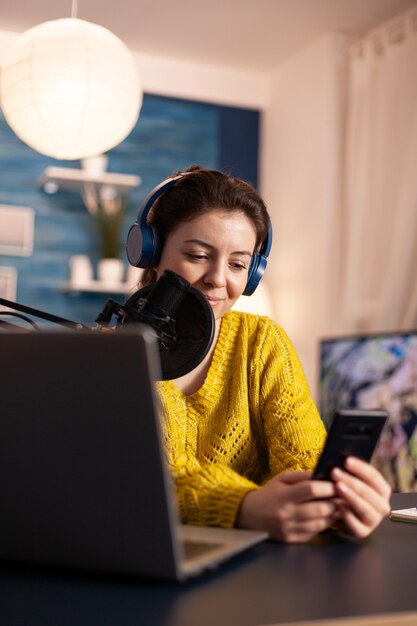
x,y
306,520
290,507
293,508
364,481
369,475
360,516
302,487
365,494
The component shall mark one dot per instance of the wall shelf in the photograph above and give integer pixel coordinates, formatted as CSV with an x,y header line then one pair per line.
x,y
73,178
97,286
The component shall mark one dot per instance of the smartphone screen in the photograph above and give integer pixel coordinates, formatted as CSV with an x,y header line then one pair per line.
x,y
352,432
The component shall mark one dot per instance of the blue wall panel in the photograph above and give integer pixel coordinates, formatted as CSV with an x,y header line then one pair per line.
x,y
170,135
238,146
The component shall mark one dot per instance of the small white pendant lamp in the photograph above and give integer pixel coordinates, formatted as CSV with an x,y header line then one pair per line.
x,y
70,89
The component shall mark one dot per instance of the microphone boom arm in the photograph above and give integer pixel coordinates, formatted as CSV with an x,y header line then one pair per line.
x,y
45,316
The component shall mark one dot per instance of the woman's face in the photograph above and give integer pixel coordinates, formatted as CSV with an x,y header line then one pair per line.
x,y
213,252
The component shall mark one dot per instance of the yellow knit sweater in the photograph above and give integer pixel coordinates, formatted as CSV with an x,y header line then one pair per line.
x,y
252,418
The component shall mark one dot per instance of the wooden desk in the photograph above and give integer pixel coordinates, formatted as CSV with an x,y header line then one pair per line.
x,y
271,584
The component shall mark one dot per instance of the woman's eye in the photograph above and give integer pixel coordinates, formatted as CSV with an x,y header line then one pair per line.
x,y
238,266
196,257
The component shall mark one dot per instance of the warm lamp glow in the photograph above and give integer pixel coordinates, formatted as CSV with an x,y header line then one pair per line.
x,y
70,89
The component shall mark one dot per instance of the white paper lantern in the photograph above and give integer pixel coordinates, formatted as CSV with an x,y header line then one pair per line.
x,y
70,89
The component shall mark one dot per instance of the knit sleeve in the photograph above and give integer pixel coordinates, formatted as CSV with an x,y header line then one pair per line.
x,y
210,495
293,430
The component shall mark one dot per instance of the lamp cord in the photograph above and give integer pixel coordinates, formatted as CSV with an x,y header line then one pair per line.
x,y
74,8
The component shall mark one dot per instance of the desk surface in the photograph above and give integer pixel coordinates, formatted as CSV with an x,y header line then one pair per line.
x,y
271,583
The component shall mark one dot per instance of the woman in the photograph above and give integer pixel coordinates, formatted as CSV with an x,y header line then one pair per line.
x,y
241,430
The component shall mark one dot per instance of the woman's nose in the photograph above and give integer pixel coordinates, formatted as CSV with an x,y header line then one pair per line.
x,y
216,275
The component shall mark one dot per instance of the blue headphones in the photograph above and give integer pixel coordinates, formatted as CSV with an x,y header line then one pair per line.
x,y
144,242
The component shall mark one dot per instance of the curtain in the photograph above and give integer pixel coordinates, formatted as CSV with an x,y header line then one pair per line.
x,y
378,280
378,277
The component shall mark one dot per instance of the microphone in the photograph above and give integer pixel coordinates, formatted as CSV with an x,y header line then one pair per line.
x,y
180,316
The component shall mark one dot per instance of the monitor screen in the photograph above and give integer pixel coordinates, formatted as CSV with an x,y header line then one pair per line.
x,y
377,372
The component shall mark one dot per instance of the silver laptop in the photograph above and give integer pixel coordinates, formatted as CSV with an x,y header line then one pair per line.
x,y
83,481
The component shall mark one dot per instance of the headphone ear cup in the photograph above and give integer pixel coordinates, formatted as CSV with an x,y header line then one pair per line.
x,y
144,245
144,241
258,264
256,269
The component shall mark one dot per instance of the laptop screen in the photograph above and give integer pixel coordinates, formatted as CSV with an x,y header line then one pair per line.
x,y
377,371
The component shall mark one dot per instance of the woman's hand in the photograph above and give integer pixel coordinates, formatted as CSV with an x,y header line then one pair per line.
x,y
291,507
365,496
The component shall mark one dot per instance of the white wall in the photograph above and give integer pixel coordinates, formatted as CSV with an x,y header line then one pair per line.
x,y
301,164
221,85
194,81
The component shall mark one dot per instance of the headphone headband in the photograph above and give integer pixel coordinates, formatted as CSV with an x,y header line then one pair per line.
x,y
153,195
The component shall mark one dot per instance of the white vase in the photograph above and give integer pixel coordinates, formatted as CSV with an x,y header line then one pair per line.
x,y
81,270
110,271
95,165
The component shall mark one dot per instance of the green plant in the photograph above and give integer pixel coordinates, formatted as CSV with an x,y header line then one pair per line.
x,y
107,207
109,228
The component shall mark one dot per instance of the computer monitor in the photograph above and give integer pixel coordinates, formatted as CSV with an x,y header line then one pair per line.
x,y
377,371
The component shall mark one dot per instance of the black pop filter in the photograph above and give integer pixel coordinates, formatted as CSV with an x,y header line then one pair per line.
x,y
181,318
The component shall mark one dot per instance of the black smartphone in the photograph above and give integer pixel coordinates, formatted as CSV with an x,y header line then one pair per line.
x,y
352,432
